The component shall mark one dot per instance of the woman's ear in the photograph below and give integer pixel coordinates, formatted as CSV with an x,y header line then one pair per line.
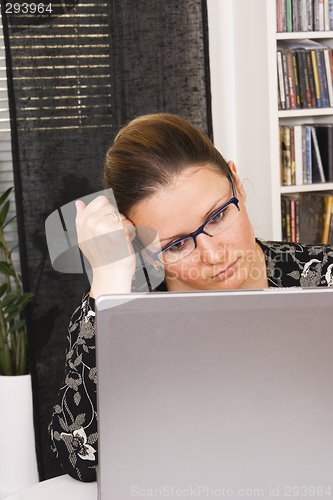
x,y
238,183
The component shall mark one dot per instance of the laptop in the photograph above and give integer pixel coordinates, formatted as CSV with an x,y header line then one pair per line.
x,y
215,394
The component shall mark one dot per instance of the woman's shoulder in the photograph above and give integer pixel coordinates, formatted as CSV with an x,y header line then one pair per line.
x,y
297,264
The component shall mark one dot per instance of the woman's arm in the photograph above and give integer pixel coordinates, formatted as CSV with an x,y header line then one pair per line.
x,y
73,428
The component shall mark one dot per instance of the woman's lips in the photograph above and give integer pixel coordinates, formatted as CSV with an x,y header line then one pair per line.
x,y
226,272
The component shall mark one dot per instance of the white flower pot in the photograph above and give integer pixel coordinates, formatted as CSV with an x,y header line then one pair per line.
x,y
18,465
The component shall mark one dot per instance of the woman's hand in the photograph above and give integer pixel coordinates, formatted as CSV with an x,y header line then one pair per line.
x,y
106,243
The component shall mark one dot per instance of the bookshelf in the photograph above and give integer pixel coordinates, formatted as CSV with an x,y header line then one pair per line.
x,y
246,119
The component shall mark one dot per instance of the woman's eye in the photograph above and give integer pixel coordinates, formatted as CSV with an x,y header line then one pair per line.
x,y
180,246
218,217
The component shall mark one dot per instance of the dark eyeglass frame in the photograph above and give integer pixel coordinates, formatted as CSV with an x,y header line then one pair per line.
x,y
155,256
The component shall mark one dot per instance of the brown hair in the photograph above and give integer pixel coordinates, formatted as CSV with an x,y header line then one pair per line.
x,y
150,153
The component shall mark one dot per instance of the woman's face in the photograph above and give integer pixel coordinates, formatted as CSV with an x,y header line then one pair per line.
x,y
221,262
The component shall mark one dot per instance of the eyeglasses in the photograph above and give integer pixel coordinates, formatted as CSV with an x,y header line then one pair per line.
x,y
223,218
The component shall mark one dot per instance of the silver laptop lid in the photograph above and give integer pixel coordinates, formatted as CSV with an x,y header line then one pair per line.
x,y
216,394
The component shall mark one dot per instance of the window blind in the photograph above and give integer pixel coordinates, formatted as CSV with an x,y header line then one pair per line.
x,y
6,165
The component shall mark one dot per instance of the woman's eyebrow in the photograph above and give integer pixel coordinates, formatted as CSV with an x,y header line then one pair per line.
x,y
205,217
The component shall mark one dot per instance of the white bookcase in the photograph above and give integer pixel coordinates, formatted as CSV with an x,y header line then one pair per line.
x,y
242,40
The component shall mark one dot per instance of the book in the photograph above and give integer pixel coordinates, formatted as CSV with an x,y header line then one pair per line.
x,y
311,214
292,221
283,219
330,10
311,80
326,16
295,11
321,73
301,73
290,70
278,16
285,77
330,233
286,156
324,134
288,220
281,80
304,155
298,155
289,16
296,80
303,23
326,53
317,166
292,157
316,78
327,218
308,164
297,223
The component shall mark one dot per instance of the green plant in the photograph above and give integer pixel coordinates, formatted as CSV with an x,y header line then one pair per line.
x,y
13,336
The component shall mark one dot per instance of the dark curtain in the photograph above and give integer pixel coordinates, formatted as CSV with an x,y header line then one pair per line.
x,y
75,76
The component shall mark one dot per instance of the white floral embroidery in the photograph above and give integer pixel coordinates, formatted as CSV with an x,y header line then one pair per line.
x,y
77,442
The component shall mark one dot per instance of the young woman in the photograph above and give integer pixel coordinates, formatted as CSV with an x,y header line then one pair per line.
x,y
166,175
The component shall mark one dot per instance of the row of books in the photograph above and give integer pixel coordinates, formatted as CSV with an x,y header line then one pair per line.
x,y
304,15
305,75
306,154
307,218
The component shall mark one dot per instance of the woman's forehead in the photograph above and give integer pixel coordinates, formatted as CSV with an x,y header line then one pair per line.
x,y
186,202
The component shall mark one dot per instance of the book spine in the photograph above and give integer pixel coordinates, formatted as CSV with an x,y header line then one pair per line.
x,y
311,80
288,220
330,233
330,153
297,94
290,79
301,79
326,16
298,155
284,15
321,15
292,157
307,79
316,15
281,154
297,221
292,221
327,218
289,16
283,219
316,78
330,9
318,156
303,15
295,15
328,75
286,157
278,16
321,79
285,78
308,155
309,15
281,80
304,155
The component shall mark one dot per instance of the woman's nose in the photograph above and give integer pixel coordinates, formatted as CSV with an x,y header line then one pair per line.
x,y
211,251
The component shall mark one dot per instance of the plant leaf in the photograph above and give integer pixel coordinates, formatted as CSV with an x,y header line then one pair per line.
x,y
5,268
4,212
9,221
16,326
3,288
14,248
5,195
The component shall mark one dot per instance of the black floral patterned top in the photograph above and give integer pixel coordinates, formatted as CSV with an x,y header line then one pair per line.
x,y
73,428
